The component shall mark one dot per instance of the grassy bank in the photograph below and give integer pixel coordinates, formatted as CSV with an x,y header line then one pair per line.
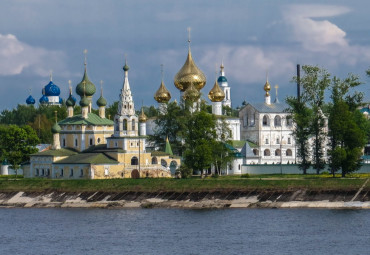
x,y
227,183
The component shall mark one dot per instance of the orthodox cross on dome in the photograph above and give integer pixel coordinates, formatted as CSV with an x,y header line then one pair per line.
x,y
162,72
56,116
189,31
70,86
51,75
30,90
101,87
85,57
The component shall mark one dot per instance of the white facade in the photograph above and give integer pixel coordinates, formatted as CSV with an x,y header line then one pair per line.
x,y
269,129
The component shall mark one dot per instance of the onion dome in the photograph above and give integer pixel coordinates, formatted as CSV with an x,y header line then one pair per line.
x,y
267,88
51,89
30,100
44,100
70,101
162,95
56,128
191,94
84,102
90,88
60,100
142,116
189,73
216,94
101,101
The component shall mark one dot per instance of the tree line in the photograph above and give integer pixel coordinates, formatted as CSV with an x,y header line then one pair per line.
x,y
336,126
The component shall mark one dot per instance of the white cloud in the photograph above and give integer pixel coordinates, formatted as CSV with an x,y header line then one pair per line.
x,y
17,57
316,35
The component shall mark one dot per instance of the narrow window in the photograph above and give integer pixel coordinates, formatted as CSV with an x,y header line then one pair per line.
x,y
124,123
106,171
91,141
81,172
76,142
48,172
267,141
289,142
62,172
37,172
277,141
64,142
133,125
98,140
42,172
71,172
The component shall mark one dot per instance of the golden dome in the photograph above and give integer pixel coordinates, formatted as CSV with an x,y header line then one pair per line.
x,y
191,93
267,88
216,94
142,116
189,73
162,95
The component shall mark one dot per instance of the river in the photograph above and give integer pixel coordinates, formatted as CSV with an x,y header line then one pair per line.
x,y
183,231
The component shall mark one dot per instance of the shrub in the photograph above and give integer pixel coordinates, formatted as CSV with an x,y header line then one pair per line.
x,y
185,171
245,176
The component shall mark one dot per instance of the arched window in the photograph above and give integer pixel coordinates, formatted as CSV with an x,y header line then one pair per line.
x,y
245,120
266,121
81,172
163,162
255,152
91,141
71,172
277,121
289,152
289,121
134,161
277,152
61,172
64,142
252,120
98,140
37,172
154,160
266,152
124,125
133,125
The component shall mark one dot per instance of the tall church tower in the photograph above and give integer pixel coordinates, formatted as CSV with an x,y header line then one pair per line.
x,y
126,121
222,81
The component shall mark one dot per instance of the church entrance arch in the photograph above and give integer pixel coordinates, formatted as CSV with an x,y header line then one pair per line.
x,y
135,174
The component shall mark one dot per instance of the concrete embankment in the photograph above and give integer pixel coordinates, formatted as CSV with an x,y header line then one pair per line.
x,y
359,199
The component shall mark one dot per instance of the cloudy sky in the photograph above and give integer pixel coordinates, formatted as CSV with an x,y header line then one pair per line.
x,y
252,37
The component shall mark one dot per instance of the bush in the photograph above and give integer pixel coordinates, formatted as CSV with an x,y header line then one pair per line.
x,y
185,171
245,176
215,175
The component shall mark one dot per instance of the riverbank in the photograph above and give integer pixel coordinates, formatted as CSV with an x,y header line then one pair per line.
x,y
226,192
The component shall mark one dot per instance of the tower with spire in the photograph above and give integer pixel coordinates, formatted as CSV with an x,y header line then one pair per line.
x,y
222,81
70,102
101,102
126,121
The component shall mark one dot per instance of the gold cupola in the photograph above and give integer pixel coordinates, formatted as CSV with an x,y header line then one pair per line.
x,y
189,73
162,95
216,94
142,116
191,93
267,87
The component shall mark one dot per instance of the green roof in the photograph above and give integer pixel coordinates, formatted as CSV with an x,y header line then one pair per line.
x,y
92,119
87,158
56,153
168,148
252,145
159,153
237,143
103,148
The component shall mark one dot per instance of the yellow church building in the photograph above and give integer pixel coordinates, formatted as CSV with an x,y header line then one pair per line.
x,y
90,146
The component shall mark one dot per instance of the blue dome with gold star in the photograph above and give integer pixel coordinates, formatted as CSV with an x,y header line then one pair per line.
x,y
51,89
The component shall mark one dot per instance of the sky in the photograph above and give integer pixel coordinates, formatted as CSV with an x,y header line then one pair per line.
x,y
252,38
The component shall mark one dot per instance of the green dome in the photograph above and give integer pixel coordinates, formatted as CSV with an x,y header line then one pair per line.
x,y
56,128
70,101
89,87
101,101
84,102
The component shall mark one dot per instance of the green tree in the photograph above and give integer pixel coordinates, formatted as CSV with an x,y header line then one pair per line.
x,y
171,125
347,127
42,125
16,144
301,116
315,81
222,154
200,139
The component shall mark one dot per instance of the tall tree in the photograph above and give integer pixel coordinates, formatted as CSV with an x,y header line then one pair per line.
x,y
347,127
200,139
315,81
16,144
301,116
